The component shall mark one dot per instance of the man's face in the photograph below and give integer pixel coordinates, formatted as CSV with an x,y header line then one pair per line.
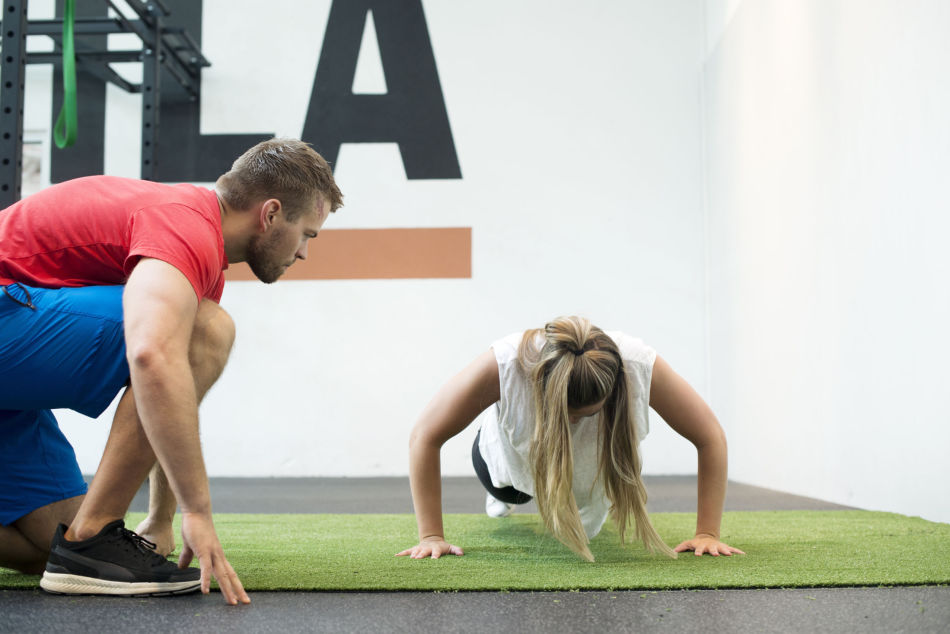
x,y
270,253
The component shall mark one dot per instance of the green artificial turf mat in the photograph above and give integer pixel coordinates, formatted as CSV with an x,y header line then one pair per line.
x,y
784,549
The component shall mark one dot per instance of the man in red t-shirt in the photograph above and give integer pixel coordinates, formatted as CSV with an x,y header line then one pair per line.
x,y
108,282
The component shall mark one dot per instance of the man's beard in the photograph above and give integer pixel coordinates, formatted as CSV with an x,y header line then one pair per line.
x,y
262,260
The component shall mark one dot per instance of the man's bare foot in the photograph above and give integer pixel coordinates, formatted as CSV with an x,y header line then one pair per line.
x,y
159,533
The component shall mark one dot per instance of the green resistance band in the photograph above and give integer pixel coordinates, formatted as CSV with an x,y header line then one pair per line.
x,y
64,132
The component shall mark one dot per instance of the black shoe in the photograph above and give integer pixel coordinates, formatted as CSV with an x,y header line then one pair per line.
x,y
116,561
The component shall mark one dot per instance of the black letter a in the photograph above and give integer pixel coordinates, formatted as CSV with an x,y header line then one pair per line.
x,y
411,114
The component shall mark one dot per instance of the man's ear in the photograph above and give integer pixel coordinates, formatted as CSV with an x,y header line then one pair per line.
x,y
270,209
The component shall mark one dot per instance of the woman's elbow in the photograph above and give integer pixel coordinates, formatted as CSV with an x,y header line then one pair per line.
x,y
714,437
422,438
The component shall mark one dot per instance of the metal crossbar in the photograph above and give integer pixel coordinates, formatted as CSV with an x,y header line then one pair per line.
x,y
171,49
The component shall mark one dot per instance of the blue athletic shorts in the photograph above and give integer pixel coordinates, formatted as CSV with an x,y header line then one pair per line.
x,y
59,348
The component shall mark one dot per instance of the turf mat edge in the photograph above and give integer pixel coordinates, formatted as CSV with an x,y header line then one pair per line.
x,y
785,549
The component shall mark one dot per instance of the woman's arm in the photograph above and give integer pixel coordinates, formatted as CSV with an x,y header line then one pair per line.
x,y
452,409
689,415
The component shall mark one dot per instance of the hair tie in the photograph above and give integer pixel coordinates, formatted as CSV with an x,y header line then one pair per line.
x,y
578,352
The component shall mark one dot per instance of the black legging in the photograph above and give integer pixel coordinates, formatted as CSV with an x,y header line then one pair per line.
x,y
509,494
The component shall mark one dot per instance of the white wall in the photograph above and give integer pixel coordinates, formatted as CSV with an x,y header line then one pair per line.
x,y
827,153
577,127
803,271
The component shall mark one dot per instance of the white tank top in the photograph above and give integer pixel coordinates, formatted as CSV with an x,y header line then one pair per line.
x,y
508,425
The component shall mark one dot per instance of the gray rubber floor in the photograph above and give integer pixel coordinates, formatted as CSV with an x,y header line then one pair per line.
x,y
668,494
904,609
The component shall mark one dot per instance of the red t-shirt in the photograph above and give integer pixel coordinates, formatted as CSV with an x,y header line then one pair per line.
x,y
92,231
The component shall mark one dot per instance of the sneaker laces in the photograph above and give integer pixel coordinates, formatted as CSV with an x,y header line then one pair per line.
x,y
142,544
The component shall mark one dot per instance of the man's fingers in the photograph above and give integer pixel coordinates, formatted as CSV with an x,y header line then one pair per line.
x,y
199,540
228,581
186,556
206,571
236,586
224,584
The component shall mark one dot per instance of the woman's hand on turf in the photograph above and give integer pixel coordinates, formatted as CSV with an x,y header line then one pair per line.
x,y
433,547
709,545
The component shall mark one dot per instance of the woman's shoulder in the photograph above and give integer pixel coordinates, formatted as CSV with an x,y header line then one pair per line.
x,y
506,348
632,349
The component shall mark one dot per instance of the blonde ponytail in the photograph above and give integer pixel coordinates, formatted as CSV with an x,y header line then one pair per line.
x,y
573,364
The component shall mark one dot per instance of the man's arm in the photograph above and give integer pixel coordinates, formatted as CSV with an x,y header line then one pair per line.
x,y
159,306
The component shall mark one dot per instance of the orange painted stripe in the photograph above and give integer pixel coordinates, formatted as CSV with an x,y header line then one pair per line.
x,y
360,254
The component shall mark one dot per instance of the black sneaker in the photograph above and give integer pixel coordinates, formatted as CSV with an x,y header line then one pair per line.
x,y
116,561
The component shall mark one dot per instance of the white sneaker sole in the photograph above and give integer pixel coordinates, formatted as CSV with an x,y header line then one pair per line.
x,y
497,508
60,583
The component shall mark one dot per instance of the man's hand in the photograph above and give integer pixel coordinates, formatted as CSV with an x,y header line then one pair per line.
x,y
160,306
159,533
200,540
433,547
708,544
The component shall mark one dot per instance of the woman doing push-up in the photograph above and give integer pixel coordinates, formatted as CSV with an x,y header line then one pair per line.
x,y
568,405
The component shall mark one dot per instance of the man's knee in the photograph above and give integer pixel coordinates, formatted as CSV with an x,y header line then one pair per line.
x,y
27,541
213,335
